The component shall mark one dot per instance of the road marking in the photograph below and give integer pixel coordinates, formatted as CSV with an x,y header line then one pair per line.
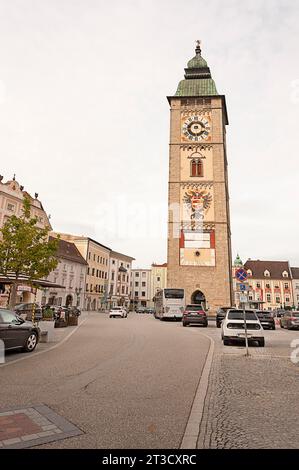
x,y
192,430
45,350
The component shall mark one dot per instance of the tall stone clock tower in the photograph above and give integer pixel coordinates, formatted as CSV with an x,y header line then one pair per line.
x,y
199,238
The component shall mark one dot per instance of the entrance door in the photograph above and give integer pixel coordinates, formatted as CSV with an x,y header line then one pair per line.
x,y
199,298
69,301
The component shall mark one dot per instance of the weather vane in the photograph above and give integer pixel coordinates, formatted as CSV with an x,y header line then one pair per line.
x,y
198,48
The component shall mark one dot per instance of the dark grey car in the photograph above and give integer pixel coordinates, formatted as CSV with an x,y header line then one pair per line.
x,y
290,320
194,315
17,333
26,311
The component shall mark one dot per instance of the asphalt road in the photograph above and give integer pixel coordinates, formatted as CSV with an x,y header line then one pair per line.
x,y
127,383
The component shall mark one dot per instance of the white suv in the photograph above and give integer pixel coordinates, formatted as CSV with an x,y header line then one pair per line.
x,y
120,312
233,328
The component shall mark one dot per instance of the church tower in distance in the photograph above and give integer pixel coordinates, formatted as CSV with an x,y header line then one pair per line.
x,y
199,237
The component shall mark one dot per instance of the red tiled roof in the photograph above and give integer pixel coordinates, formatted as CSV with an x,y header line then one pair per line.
x,y
275,268
68,250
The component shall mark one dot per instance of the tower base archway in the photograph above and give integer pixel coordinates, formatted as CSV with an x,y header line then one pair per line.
x,y
199,298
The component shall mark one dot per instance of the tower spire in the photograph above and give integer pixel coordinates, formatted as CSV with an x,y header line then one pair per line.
x,y
198,47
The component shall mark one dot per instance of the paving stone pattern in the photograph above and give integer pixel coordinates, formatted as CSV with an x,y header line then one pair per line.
x,y
251,403
27,427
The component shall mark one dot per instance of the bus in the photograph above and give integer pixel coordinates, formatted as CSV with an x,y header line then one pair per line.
x,y
169,303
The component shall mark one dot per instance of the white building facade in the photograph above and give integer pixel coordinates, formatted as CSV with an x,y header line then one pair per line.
x,y
69,273
141,288
119,285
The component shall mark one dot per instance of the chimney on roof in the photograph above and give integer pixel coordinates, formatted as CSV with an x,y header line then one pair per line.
x,y
36,195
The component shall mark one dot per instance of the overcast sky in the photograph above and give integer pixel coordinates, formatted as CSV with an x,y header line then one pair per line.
x,y
84,119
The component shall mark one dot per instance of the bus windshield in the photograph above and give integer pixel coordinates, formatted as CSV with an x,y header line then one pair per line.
x,y
174,293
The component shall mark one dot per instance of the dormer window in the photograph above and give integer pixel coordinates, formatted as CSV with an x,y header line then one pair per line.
x,y
267,273
249,272
285,274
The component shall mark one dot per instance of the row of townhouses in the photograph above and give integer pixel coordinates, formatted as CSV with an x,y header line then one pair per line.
x,y
270,285
89,274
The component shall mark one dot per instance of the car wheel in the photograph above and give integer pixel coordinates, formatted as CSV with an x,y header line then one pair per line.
x,y
218,325
206,325
225,341
281,325
261,342
273,327
185,324
31,342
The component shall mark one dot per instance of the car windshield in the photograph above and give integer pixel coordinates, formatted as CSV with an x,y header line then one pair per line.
x,y
116,308
264,314
8,317
295,314
239,315
194,307
174,293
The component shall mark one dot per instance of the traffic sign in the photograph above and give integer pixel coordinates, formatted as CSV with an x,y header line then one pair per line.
x,y
243,287
241,274
243,298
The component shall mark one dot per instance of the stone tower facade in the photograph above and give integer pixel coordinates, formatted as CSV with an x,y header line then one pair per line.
x,y
199,239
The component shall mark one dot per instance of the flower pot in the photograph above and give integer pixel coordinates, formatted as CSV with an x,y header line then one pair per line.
x,y
72,320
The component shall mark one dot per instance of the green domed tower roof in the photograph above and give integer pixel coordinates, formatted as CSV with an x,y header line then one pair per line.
x,y
197,62
198,80
238,262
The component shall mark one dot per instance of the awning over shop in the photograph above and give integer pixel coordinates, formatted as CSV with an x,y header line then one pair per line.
x,y
10,278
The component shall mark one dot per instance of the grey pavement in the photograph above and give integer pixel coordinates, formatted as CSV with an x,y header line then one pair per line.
x,y
252,402
126,383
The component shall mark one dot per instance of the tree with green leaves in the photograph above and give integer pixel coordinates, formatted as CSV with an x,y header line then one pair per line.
x,y
25,250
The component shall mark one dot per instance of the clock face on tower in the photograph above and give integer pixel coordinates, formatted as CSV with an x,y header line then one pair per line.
x,y
196,128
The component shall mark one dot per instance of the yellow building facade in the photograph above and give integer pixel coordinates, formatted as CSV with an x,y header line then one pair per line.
x,y
97,275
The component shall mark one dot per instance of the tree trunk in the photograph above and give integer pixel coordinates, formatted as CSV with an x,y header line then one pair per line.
x,y
13,295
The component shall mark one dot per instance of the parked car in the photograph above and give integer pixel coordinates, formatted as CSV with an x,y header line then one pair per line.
x,y
194,314
74,311
279,313
149,310
266,319
118,312
17,333
140,310
290,320
220,315
233,328
25,311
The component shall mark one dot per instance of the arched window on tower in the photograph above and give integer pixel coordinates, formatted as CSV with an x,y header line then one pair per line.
x,y
196,167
